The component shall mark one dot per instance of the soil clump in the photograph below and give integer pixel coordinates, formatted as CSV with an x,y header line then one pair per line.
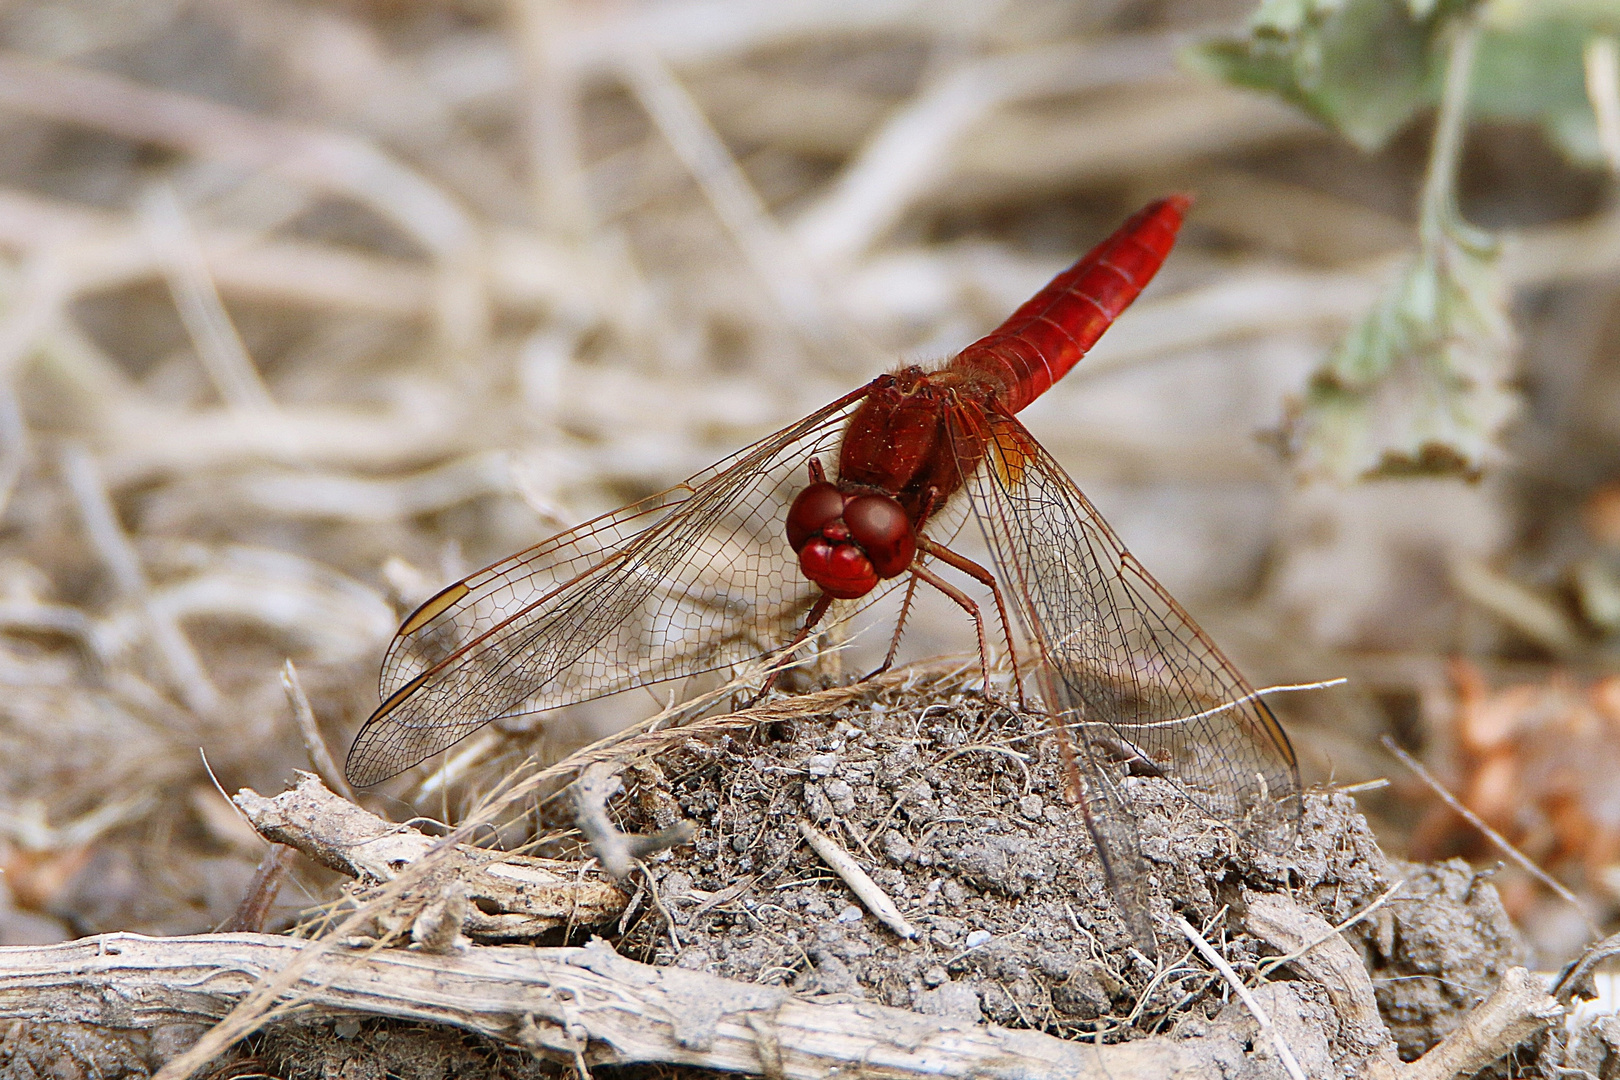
x,y
956,810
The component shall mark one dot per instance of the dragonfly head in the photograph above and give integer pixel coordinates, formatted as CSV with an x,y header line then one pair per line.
x,y
847,543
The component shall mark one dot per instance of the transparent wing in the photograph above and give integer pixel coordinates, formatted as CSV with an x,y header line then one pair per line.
x,y
1124,668
690,580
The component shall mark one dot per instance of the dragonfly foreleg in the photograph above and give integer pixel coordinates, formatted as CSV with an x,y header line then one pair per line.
x,y
818,611
899,628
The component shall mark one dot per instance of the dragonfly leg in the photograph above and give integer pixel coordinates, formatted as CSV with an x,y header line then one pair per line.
x,y
817,612
984,577
966,604
899,628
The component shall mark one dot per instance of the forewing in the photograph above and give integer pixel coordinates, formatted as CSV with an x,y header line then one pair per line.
x,y
691,580
1132,675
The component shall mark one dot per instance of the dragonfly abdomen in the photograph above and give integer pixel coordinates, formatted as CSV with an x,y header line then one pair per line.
x,y
1046,337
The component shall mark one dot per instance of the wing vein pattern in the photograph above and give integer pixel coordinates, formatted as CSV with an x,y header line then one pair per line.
x,y
1126,668
691,580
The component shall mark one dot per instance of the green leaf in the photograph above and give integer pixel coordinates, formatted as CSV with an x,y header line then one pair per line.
x,y
1535,73
1366,67
1362,66
1421,385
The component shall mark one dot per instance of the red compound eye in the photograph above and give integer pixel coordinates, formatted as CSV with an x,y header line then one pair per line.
x,y
881,528
841,570
816,505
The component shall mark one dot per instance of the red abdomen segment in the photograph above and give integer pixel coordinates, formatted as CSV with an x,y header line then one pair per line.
x,y
1046,337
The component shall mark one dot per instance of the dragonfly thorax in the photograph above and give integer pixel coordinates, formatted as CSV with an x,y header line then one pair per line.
x,y
848,542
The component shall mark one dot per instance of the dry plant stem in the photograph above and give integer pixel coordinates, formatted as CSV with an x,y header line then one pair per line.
x,y
1327,934
556,168
707,31
35,309
1517,1009
772,253
587,1001
644,845
1491,834
1284,1053
859,881
103,250
331,162
1521,607
597,783
218,345
910,153
107,537
1576,980
14,448
1319,952
261,997
518,897
262,891
314,742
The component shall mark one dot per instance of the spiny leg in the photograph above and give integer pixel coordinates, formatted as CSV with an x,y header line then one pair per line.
x,y
966,604
899,628
984,577
817,612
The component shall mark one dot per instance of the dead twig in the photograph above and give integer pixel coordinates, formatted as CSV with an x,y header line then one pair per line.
x,y
262,891
1320,953
869,892
328,160
1491,834
1576,980
1518,1008
112,544
514,897
616,851
586,1001
314,742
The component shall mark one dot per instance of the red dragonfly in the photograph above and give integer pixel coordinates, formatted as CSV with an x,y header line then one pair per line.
x,y
747,558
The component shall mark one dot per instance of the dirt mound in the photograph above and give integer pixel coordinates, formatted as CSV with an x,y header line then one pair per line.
x,y
955,810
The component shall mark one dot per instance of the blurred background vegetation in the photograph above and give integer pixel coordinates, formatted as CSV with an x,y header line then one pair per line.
x,y
307,309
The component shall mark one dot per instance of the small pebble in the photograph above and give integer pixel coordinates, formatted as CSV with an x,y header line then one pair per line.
x,y
851,914
840,794
977,938
821,764
346,1027
1031,806
934,975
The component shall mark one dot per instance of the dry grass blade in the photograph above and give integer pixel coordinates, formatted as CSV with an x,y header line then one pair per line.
x,y
911,153
327,160
185,669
